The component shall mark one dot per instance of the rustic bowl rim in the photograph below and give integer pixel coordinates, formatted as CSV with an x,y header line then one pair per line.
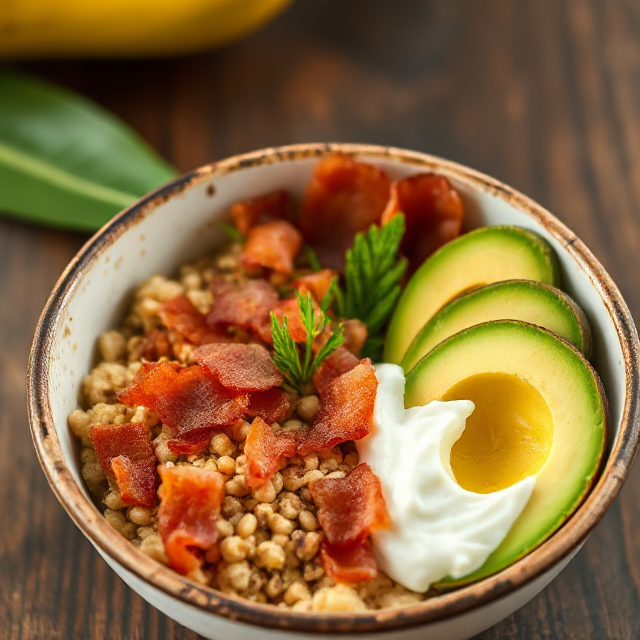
x,y
439,608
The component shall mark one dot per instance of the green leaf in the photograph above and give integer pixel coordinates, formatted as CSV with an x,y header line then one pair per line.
x,y
66,162
382,311
328,297
373,348
305,304
372,274
286,353
334,341
233,232
312,257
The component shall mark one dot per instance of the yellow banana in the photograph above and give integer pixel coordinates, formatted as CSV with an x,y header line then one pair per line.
x,y
109,28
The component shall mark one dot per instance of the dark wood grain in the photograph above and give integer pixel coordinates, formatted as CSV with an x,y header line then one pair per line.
x,y
542,94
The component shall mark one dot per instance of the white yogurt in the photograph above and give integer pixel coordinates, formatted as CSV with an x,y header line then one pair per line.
x,y
438,528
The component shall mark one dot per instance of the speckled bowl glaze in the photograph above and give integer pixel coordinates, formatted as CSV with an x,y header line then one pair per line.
x,y
179,222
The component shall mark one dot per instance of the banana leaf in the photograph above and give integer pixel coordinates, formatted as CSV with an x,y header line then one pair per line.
x,y
66,162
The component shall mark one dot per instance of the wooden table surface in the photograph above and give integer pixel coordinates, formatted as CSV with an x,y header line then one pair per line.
x,y
543,94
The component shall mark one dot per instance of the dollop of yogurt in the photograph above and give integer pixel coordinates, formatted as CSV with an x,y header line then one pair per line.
x,y
437,528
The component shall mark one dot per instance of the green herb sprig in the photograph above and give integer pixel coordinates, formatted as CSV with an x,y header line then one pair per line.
x,y
372,275
312,258
332,292
298,363
233,232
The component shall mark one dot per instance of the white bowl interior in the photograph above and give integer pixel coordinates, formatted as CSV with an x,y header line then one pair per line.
x,y
186,226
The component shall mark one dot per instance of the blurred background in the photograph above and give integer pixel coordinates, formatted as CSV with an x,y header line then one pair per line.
x,y
541,94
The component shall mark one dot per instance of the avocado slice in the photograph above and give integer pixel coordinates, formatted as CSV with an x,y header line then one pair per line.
x,y
540,409
478,258
533,302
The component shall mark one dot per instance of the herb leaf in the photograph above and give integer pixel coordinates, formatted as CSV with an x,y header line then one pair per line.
x,y
372,274
298,367
233,232
336,339
332,292
312,257
65,161
285,351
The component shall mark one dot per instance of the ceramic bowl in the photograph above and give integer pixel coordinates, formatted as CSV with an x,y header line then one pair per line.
x,y
179,222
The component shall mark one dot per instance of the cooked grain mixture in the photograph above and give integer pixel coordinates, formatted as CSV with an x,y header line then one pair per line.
x,y
269,537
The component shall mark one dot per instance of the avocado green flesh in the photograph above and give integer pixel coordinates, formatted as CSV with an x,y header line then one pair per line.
x,y
526,300
478,258
573,393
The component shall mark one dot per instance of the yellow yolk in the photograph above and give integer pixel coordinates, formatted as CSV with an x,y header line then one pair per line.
x,y
507,438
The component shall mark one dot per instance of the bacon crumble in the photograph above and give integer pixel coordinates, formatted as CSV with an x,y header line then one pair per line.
x,y
190,499
181,315
261,209
343,197
265,449
317,284
272,245
188,401
339,362
273,405
240,367
156,345
246,305
126,456
349,509
354,563
346,410
433,214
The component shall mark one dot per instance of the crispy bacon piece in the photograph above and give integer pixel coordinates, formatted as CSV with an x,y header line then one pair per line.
x,y
317,284
241,367
272,245
145,367
220,285
346,410
152,381
187,400
339,362
136,481
126,456
156,346
350,508
265,449
246,305
181,315
191,443
270,206
273,405
355,563
343,197
433,214
355,335
190,499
